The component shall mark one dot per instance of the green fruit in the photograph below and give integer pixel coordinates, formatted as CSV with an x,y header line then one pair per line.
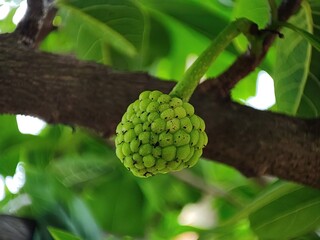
x,y
126,151
128,162
154,95
153,116
189,108
163,107
152,107
180,112
183,152
165,139
145,149
164,98
194,137
158,134
167,114
134,145
181,138
144,95
158,126
144,104
129,136
144,137
175,102
149,161
173,125
195,121
186,124
169,153
138,129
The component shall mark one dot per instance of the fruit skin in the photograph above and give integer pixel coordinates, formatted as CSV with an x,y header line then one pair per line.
x,y
159,133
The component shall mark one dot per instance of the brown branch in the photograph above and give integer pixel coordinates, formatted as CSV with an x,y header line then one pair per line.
x,y
36,24
64,90
16,228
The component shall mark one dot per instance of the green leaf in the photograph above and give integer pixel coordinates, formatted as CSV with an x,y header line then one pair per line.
x,y
101,31
292,65
117,204
204,17
312,39
177,193
256,11
59,234
83,220
100,18
73,170
310,102
309,236
270,194
289,216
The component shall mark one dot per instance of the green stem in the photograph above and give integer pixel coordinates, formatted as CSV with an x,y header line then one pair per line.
x,y
273,10
186,86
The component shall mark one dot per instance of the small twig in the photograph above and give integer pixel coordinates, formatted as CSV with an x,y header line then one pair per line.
x,y
191,179
38,14
248,61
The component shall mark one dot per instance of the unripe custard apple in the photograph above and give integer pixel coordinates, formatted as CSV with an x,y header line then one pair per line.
x,y
158,134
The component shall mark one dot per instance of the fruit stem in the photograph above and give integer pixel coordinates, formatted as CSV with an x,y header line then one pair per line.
x,y
186,86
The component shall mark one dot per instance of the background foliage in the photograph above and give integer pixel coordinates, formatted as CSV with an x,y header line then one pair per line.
x,y
75,186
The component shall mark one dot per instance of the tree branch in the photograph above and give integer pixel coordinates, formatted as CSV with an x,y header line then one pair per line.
x,y
36,24
63,90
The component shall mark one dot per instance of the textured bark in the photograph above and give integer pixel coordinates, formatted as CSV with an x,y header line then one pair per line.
x,y
61,89
16,228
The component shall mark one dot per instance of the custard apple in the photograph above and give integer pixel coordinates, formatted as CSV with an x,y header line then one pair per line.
x,y
158,134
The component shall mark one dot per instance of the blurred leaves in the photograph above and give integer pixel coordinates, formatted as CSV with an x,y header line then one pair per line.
x,y
6,24
121,205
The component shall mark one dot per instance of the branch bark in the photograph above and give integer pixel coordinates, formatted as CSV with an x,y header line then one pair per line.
x,y
63,90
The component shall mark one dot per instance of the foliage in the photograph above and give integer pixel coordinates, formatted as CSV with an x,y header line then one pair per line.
x,y
75,186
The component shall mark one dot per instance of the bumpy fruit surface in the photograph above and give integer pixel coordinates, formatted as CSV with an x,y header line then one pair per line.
x,y
159,133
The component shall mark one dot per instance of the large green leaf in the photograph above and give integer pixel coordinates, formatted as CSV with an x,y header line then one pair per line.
x,y
291,73
312,39
289,216
310,102
270,194
282,211
256,11
100,26
74,170
117,204
203,17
